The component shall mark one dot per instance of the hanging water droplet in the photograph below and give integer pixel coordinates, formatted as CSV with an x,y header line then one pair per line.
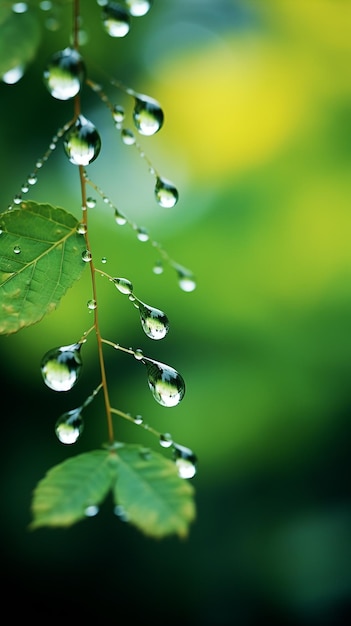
x,y
138,419
61,367
120,511
91,510
91,203
142,234
186,279
138,354
166,384
128,137
147,115
65,74
82,142
115,19
104,260
17,250
165,192
13,75
81,228
91,304
154,322
32,179
118,113
120,219
185,461
86,256
123,285
19,7
166,440
158,268
69,426
138,8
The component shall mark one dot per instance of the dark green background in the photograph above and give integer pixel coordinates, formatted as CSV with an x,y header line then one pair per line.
x,y
257,136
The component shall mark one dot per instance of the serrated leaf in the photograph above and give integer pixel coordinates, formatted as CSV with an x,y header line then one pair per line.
x,y
152,495
19,39
63,495
33,281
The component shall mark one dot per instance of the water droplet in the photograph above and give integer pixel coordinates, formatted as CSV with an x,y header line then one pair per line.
x,y
61,367
123,285
158,268
91,510
186,279
138,354
142,234
166,384
69,426
17,250
185,461
120,219
91,304
138,419
81,228
86,256
165,192
103,260
13,75
147,115
121,513
128,137
118,113
19,7
32,179
91,203
154,322
82,142
115,19
138,8
65,74
166,440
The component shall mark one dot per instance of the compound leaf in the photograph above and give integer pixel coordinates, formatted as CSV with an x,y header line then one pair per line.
x,y
151,494
40,258
62,497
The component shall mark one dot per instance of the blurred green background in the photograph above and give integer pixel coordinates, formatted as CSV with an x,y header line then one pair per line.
x,y
257,138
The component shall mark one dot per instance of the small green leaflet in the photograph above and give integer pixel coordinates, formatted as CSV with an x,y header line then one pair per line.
x,y
145,486
40,258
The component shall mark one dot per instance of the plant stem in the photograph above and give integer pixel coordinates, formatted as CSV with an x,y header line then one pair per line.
x,y
77,112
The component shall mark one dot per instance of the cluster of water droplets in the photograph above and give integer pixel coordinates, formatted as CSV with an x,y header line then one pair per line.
x,y
116,17
154,322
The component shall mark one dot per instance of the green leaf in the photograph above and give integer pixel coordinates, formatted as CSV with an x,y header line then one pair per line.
x,y
33,281
152,495
63,495
145,485
19,39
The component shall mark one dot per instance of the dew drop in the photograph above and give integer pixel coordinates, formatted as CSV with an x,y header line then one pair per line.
x,y
166,440
120,512
103,260
185,461
138,419
82,143
65,74
91,510
166,384
154,322
81,228
91,304
120,219
128,137
123,285
186,279
142,234
17,250
118,113
138,8
165,192
19,7
158,268
91,203
138,354
69,426
86,256
32,179
61,367
147,115
13,75
116,20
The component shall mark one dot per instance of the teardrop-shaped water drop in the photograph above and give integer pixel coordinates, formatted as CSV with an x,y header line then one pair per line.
x,y
166,384
185,460
147,115
166,193
65,74
123,285
61,367
138,8
154,321
69,426
116,19
166,440
82,142
186,279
